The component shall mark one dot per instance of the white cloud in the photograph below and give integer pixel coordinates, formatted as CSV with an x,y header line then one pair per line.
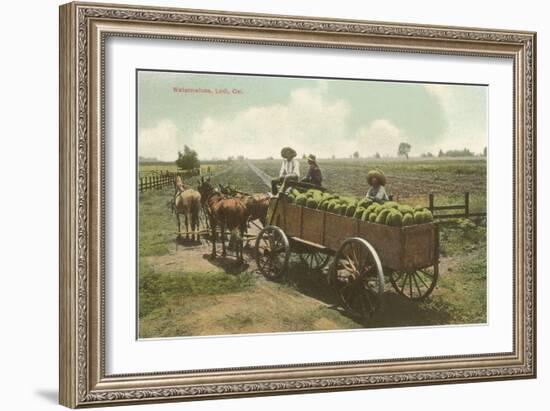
x,y
160,141
467,126
380,136
310,122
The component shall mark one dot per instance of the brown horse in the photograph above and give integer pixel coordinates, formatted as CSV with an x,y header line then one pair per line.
x,y
256,204
188,203
224,212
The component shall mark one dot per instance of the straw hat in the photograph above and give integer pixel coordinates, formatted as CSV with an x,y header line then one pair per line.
x,y
287,152
378,174
312,158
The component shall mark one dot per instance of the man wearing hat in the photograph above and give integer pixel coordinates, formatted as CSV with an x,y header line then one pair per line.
x,y
290,169
376,192
314,175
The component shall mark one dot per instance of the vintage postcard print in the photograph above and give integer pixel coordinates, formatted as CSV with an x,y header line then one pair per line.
x,y
285,204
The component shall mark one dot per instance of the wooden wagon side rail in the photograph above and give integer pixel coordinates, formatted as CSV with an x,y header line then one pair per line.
x,y
400,248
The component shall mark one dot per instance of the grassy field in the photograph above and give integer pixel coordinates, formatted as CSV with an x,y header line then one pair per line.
x,y
183,292
409,181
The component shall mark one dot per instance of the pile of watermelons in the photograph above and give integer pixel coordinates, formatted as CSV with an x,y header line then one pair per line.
x,y
390,213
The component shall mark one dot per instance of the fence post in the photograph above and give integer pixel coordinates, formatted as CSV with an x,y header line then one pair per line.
x,y
467,204
141,184
431,202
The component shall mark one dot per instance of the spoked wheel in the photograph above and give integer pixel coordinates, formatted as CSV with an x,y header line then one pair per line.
x,y
357,277
272,252
415,285
314,260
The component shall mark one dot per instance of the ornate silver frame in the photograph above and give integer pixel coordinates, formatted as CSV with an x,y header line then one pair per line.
x,y
83,30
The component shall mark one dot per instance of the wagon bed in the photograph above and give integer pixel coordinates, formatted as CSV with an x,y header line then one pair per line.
x,y
363,253
399,248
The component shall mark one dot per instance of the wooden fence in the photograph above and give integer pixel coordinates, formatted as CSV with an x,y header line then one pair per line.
x,y
162,179
463,210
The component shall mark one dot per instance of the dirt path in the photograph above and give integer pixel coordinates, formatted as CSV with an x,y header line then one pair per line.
x,y
266,178
266,306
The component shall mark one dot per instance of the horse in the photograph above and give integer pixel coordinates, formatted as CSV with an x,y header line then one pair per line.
x,y
187,202
256,204
225,212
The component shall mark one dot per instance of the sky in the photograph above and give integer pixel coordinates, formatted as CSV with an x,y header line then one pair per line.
x,y
221,115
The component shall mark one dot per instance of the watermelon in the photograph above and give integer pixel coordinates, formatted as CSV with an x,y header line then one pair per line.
x,y
311,203
381,218
408,219
301,200
350,211
394,218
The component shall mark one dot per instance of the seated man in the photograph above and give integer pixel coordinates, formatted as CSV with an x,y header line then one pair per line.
x,y
314,176
290,169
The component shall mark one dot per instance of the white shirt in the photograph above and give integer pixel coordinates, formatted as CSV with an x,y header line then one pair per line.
x,y
290,168
377,194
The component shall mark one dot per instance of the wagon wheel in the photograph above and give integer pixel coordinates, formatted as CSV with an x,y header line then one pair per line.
x,y
415,285
314,260
357,277
272,252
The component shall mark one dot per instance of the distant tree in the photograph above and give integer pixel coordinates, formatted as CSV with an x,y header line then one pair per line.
x,y
188,160
428,154
230,158
333,157
356,154
241,157
270,158
404,150
485,151
441,153
304,156
377,155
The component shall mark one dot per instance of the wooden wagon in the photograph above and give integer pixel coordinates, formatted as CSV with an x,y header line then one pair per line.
x,y
363,254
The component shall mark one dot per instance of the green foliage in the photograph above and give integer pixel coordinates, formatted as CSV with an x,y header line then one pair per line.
x,y
291,198
155,289
372,217
188,160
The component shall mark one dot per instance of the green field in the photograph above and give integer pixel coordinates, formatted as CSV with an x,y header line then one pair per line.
x,y
409,181
183,292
